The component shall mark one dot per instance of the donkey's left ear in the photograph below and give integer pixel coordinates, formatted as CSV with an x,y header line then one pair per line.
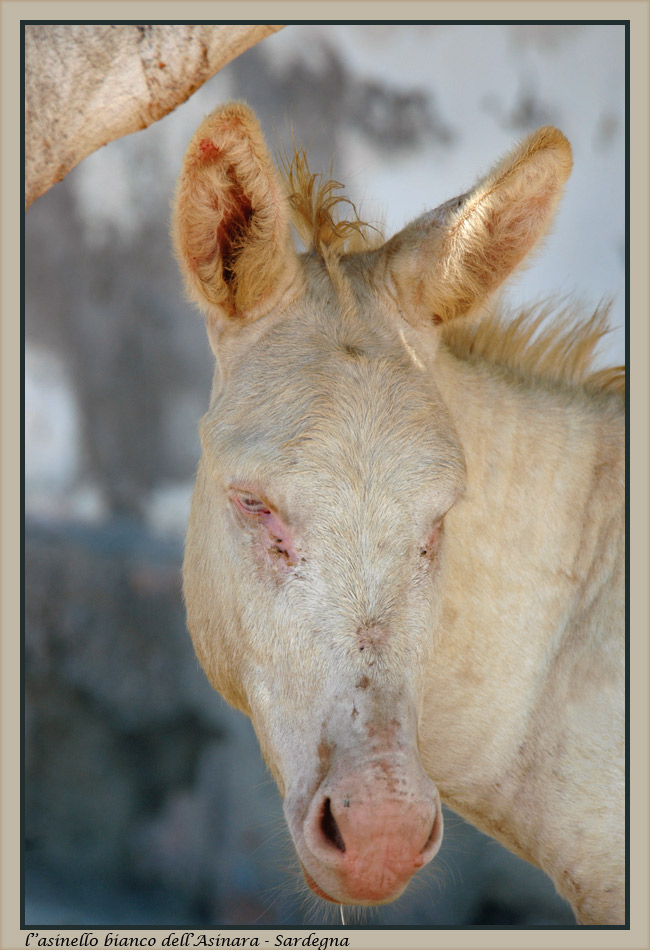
x,y
450,260
230,221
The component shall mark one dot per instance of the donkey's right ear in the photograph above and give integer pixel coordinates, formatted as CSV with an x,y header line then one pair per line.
x,y
230,222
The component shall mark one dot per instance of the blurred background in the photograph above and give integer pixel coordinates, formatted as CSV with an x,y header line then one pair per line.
x,y
146,800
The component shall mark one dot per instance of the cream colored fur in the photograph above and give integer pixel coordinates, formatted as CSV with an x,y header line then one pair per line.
x,y
451,503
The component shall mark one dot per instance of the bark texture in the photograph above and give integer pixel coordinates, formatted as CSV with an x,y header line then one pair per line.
x,y
87,85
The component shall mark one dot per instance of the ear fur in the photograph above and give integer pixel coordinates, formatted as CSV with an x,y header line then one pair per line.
x,y
230,223
446,263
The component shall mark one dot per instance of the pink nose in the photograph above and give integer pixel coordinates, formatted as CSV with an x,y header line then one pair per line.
x,y
364,848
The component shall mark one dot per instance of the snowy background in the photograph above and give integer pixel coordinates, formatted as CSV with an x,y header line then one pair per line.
x,y
146,801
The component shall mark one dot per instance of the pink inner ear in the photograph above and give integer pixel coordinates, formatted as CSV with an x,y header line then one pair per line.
x,y
237,212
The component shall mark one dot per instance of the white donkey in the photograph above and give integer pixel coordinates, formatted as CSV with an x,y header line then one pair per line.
x,y
405,557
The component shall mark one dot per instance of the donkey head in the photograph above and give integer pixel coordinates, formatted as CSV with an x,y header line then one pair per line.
x,y
315,562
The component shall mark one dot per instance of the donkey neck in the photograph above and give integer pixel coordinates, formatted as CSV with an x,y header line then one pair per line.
x,y
523,557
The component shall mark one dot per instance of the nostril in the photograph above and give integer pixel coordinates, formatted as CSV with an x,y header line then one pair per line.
x,y
330,828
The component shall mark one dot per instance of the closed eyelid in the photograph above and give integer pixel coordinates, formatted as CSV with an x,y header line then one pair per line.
x,y
250,503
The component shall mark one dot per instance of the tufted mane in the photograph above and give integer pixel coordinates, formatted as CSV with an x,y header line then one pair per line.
x,y
315,208
546,342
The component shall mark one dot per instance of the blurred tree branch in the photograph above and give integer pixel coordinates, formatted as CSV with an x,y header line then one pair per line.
x,y
87,85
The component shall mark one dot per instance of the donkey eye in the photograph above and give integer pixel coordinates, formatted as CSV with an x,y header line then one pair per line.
x,y
251,505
